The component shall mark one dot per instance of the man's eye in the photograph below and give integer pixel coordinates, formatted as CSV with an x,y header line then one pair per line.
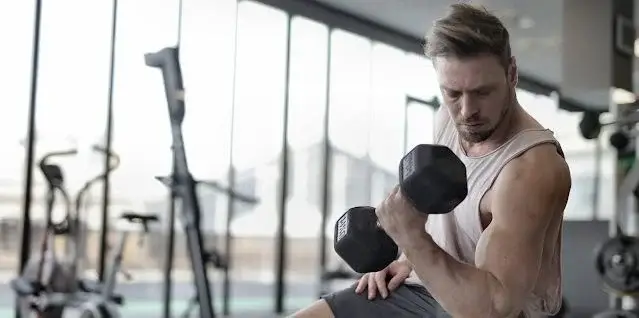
x,y
453,94
483,92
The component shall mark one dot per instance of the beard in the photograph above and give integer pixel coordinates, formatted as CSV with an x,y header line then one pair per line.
x,y
475,133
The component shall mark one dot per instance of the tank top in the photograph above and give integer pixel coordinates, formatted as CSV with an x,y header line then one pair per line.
x,y
459,231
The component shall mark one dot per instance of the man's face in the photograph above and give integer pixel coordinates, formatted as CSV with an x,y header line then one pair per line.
x,y
477,91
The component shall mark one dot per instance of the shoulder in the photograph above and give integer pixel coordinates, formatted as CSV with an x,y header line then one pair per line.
x,y
544,162
540,176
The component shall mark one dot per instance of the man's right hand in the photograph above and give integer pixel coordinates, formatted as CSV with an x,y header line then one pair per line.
x,y
397,272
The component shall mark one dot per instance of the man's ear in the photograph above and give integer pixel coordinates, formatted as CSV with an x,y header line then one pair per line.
x,y
513,73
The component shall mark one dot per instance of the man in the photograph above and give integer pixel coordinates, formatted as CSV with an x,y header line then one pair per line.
x,y
498,253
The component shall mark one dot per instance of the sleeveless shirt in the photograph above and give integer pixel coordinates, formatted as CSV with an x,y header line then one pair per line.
x,y
458,232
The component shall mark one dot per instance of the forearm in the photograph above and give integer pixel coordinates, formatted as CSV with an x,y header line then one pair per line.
x,y
461,289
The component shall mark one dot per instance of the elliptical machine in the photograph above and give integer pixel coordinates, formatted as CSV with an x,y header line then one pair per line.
x,y
50,283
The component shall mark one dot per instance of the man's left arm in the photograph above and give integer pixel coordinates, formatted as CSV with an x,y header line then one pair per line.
x,y
529,193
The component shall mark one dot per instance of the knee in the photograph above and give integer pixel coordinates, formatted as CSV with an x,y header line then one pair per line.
x,y
319,309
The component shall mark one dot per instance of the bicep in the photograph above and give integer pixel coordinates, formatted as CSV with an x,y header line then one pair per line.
x,y
512,254
524,203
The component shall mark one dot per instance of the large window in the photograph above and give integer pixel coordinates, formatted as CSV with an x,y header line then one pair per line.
x,y
387,111
257,142
17,33
77,61
307,104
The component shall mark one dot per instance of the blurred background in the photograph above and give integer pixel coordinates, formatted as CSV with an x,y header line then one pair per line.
x,y
341,85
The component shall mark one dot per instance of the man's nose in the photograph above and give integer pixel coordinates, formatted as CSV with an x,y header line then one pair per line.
x,y
468,108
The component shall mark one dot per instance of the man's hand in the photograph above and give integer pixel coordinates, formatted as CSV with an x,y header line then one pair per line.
x,y
397,271
400,220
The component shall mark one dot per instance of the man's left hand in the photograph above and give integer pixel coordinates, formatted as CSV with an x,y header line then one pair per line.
x,y
401,221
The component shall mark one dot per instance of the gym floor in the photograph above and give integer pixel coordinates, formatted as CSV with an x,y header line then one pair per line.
x,y
143,301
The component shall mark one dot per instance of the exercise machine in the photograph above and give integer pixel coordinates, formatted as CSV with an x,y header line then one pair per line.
x,y
182,180
212,256
183,185
104,302
44,271
617,258
50,283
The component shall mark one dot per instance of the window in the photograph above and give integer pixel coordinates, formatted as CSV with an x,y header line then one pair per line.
x,y
420,77
420,124
257,141
307,106
388,100
16,23
350,99
73,79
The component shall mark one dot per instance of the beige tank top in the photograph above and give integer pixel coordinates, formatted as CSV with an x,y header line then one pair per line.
x,y
459,231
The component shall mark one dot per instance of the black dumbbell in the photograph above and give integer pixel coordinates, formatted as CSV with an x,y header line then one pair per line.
x,y
432,177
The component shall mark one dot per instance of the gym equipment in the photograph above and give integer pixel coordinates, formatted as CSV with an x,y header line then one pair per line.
x,y
43,270
617,258
590,127
211,256
183,183
617,262
104,302
50,283
432,177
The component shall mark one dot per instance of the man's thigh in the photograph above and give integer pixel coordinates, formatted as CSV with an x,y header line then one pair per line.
x,y
406,301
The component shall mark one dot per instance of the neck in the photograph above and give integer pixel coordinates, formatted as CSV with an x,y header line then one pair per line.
x,y
504,131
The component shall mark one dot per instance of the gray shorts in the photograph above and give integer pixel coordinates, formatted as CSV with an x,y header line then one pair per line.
x,y
406,301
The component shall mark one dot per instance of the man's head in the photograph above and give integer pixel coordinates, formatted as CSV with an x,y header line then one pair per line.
x,y
470,49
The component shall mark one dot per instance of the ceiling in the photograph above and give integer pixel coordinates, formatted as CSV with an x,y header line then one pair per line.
x,y
535,27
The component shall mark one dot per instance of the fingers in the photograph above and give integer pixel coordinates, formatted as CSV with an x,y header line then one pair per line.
x,y
380,281
396,281
372,290
361,285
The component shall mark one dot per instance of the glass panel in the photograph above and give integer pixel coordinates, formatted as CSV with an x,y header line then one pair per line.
x,y
420,124
420,78
307,103
387,102
257,144
16,32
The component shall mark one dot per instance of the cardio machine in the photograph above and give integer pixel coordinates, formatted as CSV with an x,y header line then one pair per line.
x,y
50,283
104,302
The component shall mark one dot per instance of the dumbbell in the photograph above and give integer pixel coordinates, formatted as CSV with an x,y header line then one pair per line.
x,y
431,177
